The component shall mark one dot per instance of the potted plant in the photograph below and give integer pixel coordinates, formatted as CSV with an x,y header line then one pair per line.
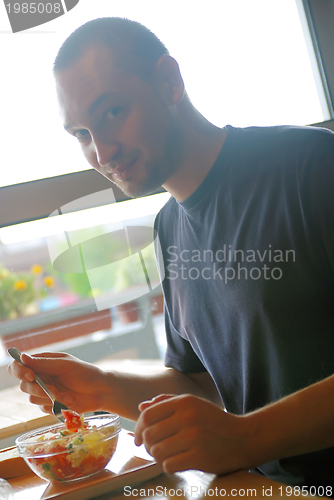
x,y
18,293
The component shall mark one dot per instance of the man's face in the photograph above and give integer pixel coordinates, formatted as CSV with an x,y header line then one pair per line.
x,y
125,128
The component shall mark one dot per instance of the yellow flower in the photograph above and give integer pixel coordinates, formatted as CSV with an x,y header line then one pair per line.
x,y
49,281
20,285
36,269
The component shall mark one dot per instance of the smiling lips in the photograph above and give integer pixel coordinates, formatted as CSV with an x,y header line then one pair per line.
x,y
122,171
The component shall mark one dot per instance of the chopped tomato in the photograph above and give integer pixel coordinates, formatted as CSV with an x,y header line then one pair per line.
x,y
73,421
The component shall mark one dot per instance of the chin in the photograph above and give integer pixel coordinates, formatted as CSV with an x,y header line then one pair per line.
x,y
135,190
141,188
153,179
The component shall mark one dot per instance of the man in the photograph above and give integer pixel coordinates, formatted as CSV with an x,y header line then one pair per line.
x,y
248,250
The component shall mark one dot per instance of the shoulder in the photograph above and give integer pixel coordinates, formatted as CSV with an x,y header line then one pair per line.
x,y
166,213
282,149
282,131
287,136
308,137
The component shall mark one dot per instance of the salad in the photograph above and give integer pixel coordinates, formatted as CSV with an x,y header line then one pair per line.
x,y
80,448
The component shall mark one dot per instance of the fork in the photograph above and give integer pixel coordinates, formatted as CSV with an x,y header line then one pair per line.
x,y
57,405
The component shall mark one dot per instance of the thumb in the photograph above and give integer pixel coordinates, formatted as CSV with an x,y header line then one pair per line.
x,y
50,366
46,365
157,399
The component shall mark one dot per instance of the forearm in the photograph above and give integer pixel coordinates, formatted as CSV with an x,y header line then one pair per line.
x,y
127,390
202,436
300,423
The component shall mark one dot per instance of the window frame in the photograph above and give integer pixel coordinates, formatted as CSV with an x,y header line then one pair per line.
x,y
44,196
317,19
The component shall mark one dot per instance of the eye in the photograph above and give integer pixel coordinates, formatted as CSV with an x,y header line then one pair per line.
x,y
81,134
112,112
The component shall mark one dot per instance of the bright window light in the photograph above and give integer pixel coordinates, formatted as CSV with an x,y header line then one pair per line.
x,y
244,63
107,214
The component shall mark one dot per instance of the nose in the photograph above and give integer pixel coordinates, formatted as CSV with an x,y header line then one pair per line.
x,y
106,154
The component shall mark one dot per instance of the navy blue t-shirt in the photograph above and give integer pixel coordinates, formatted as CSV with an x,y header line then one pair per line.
x,y
249,275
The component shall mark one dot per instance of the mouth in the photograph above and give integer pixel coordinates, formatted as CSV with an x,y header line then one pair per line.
x,y
123,171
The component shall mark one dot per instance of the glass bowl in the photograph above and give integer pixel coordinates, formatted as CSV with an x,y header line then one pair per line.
x,y
55,454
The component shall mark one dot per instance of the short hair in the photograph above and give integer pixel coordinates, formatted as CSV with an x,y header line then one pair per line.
x,y
137,49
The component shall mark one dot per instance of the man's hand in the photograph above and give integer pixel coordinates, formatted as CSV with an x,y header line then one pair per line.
x,y
83,387
188,432
79,385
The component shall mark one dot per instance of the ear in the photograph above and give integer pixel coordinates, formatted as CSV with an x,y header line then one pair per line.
x,y
170,79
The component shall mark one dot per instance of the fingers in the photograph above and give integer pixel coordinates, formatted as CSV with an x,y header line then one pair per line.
x,y
172,454
21,372
26,374
183,432
175,462
165,437
153,411
161,397
49,363
44,405
75,383
162,439
35,392
51,354
36,396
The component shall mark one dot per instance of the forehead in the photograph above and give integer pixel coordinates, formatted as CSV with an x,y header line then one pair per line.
x,y
96,73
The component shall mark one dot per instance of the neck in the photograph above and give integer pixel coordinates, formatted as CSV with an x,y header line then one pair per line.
x,y
202,144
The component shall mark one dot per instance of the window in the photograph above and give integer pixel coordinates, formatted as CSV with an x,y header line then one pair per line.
x,y
244,63
64,270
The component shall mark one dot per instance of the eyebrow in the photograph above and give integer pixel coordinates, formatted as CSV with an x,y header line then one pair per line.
x,y
103,97
99,100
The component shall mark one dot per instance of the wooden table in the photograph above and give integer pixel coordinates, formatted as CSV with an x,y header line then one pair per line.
x,y
197,485
189,485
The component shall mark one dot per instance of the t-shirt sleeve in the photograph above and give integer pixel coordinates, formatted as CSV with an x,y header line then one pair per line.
x,y
179,353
